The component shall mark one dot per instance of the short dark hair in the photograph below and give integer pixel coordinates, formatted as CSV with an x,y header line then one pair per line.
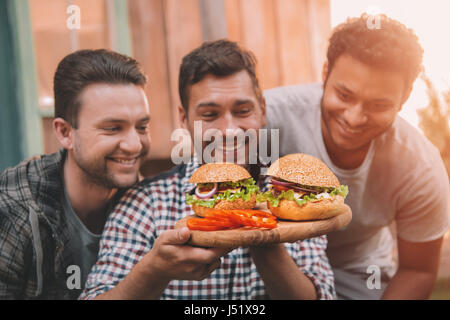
x,y
386,44
84,67
220,58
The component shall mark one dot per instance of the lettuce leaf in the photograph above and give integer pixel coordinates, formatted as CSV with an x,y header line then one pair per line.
x,y
248,188
190,199
289,195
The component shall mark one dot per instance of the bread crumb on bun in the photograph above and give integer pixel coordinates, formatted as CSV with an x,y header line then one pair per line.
x,y
306,172
219,172
318,210
303,169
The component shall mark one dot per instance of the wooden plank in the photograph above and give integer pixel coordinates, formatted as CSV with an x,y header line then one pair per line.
x,y
214,24
319,21
288,37
149,48
183,34
294,43
258,33
118,26
286,231
93,33
233,17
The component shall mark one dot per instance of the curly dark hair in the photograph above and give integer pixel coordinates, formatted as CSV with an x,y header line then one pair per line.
x,y
220,58
387,44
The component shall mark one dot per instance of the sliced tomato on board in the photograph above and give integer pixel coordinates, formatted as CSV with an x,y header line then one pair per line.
x,y
255,218
203,225
230,219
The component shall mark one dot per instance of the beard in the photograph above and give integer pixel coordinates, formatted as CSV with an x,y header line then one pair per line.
x,y
96,170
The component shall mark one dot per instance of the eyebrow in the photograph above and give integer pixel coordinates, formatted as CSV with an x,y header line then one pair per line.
x,y
115,120
243,101
342,87
347,90
238,102
207,104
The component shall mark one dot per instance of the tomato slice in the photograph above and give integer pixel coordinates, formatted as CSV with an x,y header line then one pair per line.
x,y
221,221
230,219
254,218
280,188
203,225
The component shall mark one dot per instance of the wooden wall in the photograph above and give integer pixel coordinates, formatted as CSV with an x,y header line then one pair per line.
x,y
288,37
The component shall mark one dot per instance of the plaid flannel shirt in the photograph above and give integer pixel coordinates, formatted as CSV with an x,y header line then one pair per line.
x,y
33,236
154,206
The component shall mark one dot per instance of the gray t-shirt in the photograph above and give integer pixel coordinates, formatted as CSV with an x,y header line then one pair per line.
x,y
401,180
83,244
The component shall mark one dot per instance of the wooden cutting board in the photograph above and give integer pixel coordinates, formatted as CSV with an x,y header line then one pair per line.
x,y
287,231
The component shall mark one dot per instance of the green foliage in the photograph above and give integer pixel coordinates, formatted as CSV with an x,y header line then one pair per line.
x,y
435,118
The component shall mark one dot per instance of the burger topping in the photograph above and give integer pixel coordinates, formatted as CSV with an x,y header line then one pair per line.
x,y
227,191
205,193
323,195
230,219
299,187
274,194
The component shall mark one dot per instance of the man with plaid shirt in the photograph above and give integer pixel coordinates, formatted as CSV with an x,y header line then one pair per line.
x,y
142,257
53,208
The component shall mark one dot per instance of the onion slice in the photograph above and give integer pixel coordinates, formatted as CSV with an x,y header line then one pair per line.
x,y
293,186
281,183
206,195
297,188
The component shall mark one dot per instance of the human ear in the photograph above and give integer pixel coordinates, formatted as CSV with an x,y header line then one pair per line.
x,y
183,117
324,73
263,109
64,132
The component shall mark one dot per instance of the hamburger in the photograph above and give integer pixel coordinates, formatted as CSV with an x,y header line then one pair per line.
x,y
302,187
223,186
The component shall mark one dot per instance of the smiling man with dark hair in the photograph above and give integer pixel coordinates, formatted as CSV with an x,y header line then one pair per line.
x,y
53,208
393,173
143,257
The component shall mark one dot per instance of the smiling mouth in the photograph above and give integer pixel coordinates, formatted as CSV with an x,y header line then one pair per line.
x,y
128,162
347,129
230,148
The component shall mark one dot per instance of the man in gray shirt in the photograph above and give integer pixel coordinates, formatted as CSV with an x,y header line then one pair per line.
x,y
394,174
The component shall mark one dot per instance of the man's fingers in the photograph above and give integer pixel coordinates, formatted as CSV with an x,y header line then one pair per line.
x,y
209,268
176,236
222,251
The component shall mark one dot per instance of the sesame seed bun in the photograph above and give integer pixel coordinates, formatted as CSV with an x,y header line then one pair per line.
x,y
226,205
219,172
313,210
303,169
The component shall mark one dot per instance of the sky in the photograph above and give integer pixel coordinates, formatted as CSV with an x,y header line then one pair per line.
x,y
431,23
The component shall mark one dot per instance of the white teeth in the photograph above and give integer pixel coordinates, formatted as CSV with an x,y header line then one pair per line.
x,y
347,129
228,148
352,131
132,161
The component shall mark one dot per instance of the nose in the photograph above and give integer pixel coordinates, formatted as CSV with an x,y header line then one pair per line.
x,y
355,115
131,143
229,124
